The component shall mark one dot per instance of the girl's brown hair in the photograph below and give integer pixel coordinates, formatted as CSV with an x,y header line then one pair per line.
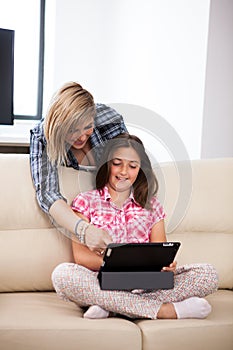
x,y
70,106
146,184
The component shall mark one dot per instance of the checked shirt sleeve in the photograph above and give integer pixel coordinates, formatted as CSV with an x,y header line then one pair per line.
x,y
81,204
158,212
44,175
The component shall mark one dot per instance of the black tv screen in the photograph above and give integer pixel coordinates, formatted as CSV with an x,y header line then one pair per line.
x,y
6,76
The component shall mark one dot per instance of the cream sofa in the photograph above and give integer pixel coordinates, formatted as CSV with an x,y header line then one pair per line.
x,y
31,315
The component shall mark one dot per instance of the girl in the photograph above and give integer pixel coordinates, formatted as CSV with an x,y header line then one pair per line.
x,y
125,204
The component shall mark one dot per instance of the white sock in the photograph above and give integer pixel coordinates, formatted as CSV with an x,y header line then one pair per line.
x,y
192,308
96,311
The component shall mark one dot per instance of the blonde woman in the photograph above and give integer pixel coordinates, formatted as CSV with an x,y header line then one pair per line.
x,y
71,134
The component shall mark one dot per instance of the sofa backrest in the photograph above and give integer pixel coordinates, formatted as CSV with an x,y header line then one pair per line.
x,y
200,212
30,247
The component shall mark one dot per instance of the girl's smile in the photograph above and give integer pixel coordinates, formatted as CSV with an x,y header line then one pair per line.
x,y
124,168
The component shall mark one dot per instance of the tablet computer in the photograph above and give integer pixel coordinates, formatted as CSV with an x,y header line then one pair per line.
x,y
139,256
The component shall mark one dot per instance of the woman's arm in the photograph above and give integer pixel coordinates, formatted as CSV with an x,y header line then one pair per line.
x,y
83,255
67,218
46,182
44,175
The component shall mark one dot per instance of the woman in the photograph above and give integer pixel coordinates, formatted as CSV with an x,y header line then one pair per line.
x,y
71,134
125,204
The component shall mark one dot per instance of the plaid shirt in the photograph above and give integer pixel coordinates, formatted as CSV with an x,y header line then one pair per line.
x,y
129,224
108,124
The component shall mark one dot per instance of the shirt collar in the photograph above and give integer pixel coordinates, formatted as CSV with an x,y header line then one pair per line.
x,y
106,195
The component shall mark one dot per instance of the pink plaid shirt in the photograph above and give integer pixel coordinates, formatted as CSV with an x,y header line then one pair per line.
x,y
129,224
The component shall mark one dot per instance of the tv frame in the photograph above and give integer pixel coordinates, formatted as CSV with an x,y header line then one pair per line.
x,y
7,37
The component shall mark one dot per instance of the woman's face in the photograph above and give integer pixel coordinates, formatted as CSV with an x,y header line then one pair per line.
x,y
124,169
79,135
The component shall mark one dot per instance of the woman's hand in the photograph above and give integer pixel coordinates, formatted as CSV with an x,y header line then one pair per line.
x,y
96,238
171,267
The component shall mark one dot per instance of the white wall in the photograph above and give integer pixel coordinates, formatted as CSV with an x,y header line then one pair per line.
x,y
217,137
150,54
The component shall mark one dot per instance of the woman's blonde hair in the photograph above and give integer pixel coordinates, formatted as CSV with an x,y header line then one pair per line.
x,y
70,106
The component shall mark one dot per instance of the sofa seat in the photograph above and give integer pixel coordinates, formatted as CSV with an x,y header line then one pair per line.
x,y
213,333
40,320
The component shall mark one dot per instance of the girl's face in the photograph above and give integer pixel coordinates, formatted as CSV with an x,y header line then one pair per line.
x,y
124,169
78,136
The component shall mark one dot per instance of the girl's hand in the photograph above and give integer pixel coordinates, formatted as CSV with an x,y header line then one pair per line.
x,y
171,267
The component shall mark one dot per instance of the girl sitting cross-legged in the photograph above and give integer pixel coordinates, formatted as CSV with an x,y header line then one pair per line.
x,y
124,204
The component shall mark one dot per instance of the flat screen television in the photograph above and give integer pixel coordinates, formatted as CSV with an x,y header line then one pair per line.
x,y
6,76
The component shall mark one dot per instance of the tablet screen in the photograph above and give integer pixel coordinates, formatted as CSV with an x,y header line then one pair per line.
x,y
139,256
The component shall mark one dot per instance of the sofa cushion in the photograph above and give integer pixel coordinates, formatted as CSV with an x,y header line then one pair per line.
x,y
215,332
197,195
28,257
19,207
199,212
207,247
42,321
